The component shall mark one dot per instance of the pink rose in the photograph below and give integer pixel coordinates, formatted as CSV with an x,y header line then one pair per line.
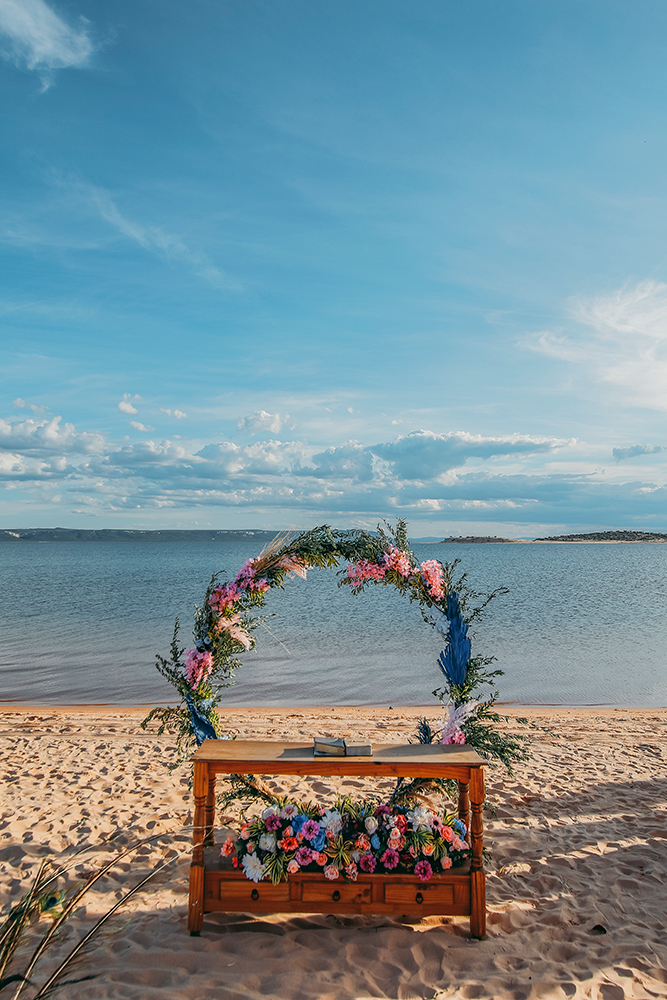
x,y
331,872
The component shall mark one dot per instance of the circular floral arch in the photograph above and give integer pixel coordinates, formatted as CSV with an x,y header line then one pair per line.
x,y
224,625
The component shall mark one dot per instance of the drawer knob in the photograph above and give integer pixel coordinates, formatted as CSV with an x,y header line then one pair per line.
x,y
254,894
419,897
336,896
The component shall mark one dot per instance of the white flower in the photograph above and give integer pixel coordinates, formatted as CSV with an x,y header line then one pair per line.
x,y
253,867
332,820
371,825
271,811
289,810
267,842
421,818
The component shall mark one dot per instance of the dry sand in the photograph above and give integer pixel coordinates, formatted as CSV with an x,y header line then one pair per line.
x,y
578,841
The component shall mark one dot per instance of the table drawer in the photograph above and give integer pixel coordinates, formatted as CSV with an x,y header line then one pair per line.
x,y
418,894
335,892
237,894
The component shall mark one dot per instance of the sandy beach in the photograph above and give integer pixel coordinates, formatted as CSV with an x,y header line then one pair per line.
x,y
577,873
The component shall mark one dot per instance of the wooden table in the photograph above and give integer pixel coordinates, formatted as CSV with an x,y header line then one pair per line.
x,y
215,886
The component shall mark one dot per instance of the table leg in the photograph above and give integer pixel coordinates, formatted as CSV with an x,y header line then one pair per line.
x,y
196,901
477,875
209,837
464,804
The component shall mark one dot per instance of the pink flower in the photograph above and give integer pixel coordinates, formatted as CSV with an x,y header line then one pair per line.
x,y
428,849
224,596
351,871
433,577
321,859
398,561
459,845
447,834
245,831
331,872
390,859
446,862
292,867
457,737
423,870
198,666
227,848
304,855
310,829
367,863
365,570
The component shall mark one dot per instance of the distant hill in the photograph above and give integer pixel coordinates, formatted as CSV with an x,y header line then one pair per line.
x,y
485,539
609,536
123,535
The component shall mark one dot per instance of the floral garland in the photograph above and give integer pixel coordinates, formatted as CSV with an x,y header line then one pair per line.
x,y
225,622
366,836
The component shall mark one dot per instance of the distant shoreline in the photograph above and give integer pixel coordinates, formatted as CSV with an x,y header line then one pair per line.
x,y
619,537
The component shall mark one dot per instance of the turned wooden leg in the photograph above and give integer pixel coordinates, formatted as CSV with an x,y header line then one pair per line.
x,y
210,812
477,875
464,804
196,901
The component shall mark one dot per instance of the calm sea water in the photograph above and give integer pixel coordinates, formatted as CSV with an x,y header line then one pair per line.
x,y
582,625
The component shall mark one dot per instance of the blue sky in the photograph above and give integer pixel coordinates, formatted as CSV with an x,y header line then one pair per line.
x,y
270,264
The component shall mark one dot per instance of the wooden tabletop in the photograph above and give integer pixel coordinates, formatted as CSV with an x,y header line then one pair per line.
x,y
408,759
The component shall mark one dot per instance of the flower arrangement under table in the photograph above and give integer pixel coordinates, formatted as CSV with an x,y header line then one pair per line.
x,y
357,857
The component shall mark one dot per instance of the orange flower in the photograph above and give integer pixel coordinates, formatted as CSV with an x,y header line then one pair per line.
x,y
428,849
362,843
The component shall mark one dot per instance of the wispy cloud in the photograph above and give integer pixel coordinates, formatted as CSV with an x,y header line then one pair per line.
x,y
144,428
621,339
621,454
36,38
154,239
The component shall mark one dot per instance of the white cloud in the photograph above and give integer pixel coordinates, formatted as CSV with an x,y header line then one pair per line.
x,y
178,414
260,420
21,404
423,455
47,438
621,339
125,405
345,482
146,428
36,38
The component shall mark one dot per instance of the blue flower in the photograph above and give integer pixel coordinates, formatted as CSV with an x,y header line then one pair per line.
x,y
454,660
375,842
299,822
318,841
